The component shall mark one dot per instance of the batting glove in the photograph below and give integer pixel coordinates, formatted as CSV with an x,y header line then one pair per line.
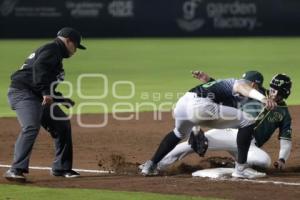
x,y
279,164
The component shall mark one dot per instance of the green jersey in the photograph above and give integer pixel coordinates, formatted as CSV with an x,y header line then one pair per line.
x,y
268,121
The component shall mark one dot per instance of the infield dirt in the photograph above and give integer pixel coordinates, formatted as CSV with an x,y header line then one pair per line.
x,y
122,145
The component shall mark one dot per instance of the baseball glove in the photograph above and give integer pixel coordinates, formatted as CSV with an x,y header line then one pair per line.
x,y
67,102
199,143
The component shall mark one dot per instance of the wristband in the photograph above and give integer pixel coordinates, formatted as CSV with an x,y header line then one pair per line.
x,y
254,94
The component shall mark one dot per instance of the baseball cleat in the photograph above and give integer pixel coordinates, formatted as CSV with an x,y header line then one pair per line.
x,y
14,175
149,169
65,173
159,167
245,172
141,166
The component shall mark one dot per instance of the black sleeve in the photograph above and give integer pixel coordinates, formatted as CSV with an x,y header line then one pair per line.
x,y
211,79
43,69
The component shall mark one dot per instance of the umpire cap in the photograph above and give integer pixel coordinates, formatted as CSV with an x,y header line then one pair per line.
x,y
73,35
254,76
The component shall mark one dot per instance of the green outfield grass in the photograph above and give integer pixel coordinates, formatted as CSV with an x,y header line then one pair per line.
x,y
12,192
158,68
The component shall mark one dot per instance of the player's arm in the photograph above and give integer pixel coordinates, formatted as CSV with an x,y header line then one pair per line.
x,y
285,139
284,153
243,87
42,68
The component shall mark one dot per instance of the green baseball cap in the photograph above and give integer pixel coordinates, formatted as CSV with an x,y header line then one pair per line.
x,y
254,76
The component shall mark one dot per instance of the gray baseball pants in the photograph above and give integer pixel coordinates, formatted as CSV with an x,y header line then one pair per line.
x,y
192,110
31,115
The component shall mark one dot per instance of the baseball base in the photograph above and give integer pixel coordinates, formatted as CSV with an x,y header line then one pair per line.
x,y
214,173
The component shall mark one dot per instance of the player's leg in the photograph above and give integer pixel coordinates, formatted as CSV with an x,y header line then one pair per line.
x,y
183,127
222,139
225,139
228,117
179,152
244,122
28,109
258,157
218,140
57,123
187,112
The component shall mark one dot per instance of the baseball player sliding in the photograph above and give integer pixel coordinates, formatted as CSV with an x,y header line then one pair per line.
x,y
215,104
267,123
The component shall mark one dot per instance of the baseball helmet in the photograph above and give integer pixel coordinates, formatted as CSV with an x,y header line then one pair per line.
x,y
283,84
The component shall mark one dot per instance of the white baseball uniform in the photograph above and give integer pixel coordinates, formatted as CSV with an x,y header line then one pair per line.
x,y
218,140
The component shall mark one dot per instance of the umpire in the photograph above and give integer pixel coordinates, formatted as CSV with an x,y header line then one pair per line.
x,y
31,93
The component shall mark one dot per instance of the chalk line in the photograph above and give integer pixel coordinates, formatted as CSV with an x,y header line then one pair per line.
x,y
79,170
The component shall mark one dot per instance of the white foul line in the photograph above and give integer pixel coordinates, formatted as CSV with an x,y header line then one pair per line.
x,y
221,179
274,182
79,170
259,181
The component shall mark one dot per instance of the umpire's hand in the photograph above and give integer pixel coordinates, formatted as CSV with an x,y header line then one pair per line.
x,y
47,100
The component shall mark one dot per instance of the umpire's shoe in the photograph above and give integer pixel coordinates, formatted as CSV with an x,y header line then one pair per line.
x,y
14,175
65,173
149,169
245,172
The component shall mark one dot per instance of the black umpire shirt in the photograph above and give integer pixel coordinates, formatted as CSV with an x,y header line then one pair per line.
x,y
41,69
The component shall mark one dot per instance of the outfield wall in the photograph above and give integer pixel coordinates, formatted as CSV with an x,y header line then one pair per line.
x,y
135,18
